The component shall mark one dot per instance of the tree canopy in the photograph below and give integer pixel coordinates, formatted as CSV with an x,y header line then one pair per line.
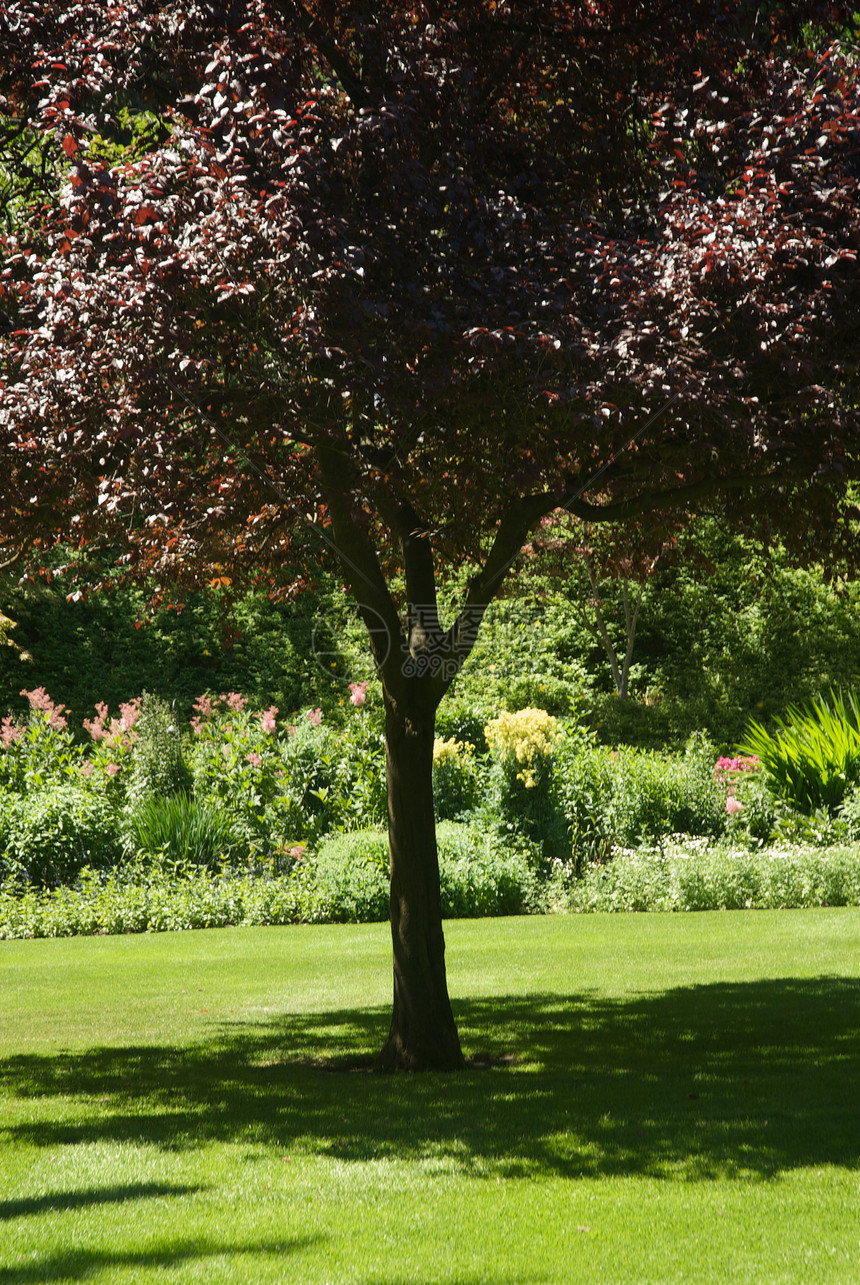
x,y
416,275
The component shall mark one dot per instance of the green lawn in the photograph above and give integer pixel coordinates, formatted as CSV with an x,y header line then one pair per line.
x,y
669,1098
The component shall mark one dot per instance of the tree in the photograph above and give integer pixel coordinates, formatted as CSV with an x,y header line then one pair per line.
x,y
587,559
410,277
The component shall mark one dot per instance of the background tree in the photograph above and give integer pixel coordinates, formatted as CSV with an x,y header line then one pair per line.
x,y
411,277
589,562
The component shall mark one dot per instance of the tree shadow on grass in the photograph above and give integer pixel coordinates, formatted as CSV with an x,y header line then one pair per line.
x,y
89,1197
695,1083
82,1264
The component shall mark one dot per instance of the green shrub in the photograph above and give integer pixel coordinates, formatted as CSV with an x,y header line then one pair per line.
x,y
47,836
156,898
187,830
695,876
478,875
455,778
626,797
158,766
351,877
849,814
814,755
40,753
483,873
235,763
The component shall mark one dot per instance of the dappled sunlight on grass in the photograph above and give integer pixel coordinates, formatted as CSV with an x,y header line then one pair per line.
x,y
724,1080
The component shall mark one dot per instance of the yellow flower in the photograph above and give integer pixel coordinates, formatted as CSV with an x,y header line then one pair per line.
x,y
528,735
446,751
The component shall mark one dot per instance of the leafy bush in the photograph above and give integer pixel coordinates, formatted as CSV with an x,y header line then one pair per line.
x,y
351,877
814,755
478,875
47,836
482,873
849,814
40,753
235,762
685,876
184,829
159,898
158,765
625,797
455,778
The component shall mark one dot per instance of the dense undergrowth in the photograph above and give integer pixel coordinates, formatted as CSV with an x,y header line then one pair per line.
x,y
124,812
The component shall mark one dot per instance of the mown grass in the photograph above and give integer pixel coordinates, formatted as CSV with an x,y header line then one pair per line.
x,y
651,1099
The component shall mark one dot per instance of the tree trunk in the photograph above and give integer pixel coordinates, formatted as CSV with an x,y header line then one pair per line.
x,y
423,1033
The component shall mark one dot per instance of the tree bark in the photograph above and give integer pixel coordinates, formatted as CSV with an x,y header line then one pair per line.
x,y
423,1034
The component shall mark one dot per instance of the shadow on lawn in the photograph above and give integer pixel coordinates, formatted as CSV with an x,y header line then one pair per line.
x,y
85,1198
721,1080
81,1264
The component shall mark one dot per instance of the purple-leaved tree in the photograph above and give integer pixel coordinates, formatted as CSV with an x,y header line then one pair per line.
x,y
415,275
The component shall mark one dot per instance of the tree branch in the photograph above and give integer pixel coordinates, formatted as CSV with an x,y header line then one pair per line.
x,y
337,60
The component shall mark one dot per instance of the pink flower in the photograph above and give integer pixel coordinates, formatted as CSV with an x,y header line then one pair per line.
x,y
267,719
253,759
129,714
40,700
10,731
96,726
358,693
733,806
297,852
204,707
112,769
86,768
314,716
235,701
748,763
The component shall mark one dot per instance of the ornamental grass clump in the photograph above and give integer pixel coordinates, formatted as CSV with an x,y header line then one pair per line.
x,y
183,829
813,757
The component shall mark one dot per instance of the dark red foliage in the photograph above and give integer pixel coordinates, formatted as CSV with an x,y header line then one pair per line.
x,y
417,274
474,246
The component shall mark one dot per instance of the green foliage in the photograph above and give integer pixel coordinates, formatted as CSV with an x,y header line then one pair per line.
x,y
479,875
158,897
47,836
621,798
455,778
351,877
814,755
172,885
849,814
484,873
696,876
40,753
235,762
333,779
132,135
158,767
182,829
108,647
726,632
